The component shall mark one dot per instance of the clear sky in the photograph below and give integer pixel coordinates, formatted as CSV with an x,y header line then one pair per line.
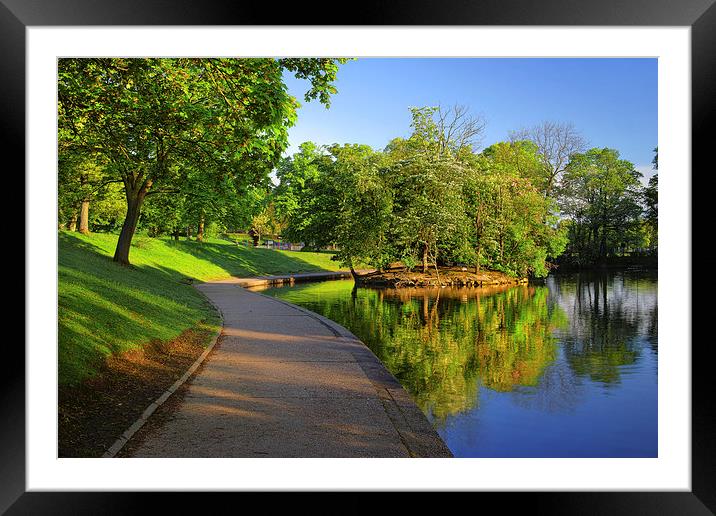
x,y
612,102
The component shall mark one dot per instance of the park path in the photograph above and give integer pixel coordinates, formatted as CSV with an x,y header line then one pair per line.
x,y
285,382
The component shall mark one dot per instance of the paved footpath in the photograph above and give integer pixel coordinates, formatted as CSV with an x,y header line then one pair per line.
x,y
285,382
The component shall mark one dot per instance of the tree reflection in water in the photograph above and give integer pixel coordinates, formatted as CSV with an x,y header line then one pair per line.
x,y
610,316
538,342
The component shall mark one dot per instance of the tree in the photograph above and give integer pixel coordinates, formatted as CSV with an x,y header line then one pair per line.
x,y
444,132
513,226
651,201
153,120
81,181
362,205
305,197
69,191
338,196
265,222
602,194
556,142
428,206
107,211
426,173
294,174
164,214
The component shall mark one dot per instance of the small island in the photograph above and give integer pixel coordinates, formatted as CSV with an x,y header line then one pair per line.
x,y
455,276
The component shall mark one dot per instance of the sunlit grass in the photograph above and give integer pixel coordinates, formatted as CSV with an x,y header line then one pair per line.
x,y
104,308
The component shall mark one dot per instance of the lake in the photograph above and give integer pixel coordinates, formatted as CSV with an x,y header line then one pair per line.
x,y
562,367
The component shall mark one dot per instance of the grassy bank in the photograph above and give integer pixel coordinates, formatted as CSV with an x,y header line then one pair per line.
x,y
105,309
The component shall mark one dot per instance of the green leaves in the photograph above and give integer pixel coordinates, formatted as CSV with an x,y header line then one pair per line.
x,y
321,72
162,122
422,200
601,196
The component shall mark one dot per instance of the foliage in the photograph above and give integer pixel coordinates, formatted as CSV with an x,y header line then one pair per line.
x,y
651,202
515,229
201,128
556,143
184,146
427,199
602,199
296,175
81,177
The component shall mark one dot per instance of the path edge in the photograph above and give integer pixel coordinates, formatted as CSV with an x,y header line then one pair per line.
x,y
288,279
139,423
413,427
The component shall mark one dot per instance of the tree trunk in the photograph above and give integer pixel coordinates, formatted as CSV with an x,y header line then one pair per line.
x,y
354,274
603,244
72,225
135,198
425,258
84,217
200,229
121,254
84,209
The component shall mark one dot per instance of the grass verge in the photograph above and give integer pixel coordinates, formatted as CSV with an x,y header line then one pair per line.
x,y
105,309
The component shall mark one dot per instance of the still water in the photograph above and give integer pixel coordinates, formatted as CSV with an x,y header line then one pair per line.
x,y
564,367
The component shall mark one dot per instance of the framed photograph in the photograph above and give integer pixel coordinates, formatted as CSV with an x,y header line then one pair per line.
x,y
623,426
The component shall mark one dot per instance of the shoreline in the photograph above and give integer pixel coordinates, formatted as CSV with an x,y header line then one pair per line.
x,y
443,277
290,279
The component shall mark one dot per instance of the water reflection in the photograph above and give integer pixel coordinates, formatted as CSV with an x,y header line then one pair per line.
x,y
550,348
444,344
610,318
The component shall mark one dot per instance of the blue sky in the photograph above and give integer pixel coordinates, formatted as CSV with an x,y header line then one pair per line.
x,y
612,102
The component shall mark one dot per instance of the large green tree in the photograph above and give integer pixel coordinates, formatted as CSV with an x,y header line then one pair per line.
x,y
428,207
339,196
295,174
602,195
514,228
362,204
427,171
155,120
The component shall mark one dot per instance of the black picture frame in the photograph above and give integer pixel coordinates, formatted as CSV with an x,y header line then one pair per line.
x,y
700,15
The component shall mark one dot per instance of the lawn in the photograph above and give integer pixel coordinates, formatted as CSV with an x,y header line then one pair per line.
x,y
104,308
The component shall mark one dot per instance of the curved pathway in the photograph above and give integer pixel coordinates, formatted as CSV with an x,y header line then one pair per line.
x,y
285,382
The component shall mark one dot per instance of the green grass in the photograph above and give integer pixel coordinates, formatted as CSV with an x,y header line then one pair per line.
x,y
104,308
